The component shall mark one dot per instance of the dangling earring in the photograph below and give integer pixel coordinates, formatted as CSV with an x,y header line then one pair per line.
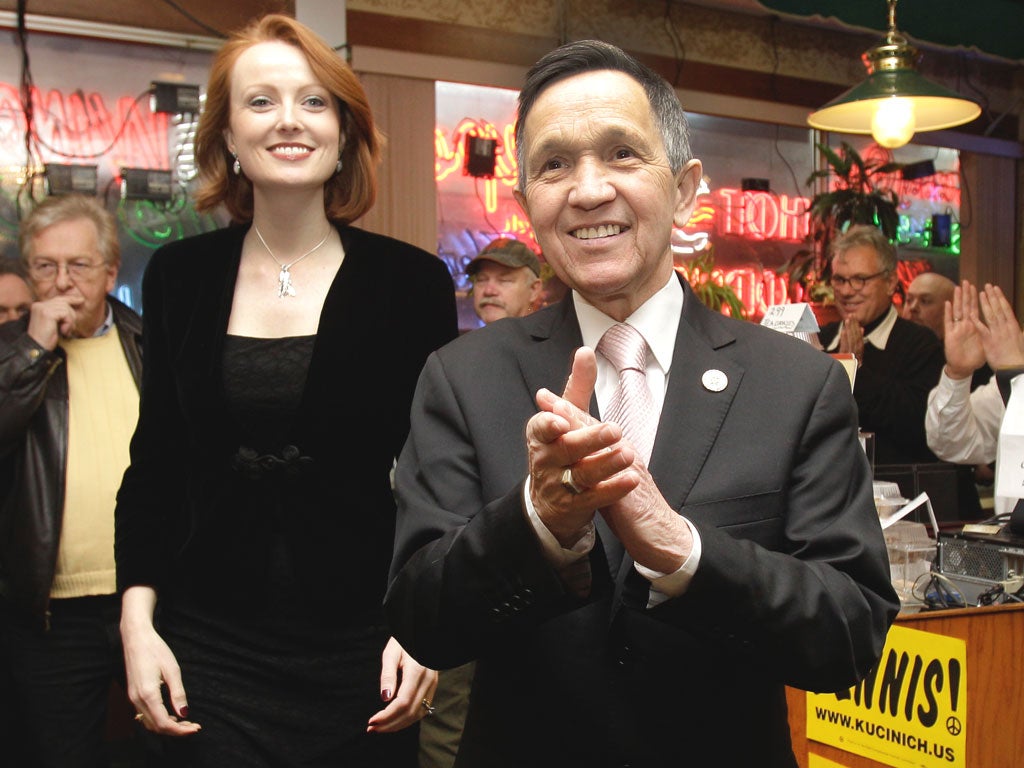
x,y
338,167
237,166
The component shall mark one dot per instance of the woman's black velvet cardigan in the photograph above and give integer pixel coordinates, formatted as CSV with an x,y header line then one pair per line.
x,y
190,520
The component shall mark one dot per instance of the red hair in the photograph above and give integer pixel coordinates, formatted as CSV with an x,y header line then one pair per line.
x,y
347,195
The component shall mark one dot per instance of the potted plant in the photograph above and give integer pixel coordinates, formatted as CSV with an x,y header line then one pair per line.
x,y
858,196
712,292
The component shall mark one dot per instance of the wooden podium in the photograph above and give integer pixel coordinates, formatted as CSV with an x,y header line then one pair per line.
x,y
994,636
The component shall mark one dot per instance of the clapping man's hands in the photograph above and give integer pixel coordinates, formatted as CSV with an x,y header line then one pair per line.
x,y
999,333
962,344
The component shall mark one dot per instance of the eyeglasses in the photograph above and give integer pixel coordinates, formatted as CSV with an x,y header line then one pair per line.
x,y
47,270
856,282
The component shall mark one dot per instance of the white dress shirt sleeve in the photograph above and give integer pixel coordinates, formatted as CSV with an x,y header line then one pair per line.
x,y
663,586
553,551
963,426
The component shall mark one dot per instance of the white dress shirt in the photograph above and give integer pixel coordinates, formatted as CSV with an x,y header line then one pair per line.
x,y
963,426
657,320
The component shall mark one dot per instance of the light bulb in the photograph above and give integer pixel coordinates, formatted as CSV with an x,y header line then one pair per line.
x,y
893,123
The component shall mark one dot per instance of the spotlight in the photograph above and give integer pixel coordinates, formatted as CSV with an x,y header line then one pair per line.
x,y
919,170
173,98
145,184
70,179
480,157
942,230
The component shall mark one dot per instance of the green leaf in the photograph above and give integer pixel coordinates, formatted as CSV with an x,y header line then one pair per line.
x,y
836,163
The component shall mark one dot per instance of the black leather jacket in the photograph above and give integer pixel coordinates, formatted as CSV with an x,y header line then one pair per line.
x,y
33,456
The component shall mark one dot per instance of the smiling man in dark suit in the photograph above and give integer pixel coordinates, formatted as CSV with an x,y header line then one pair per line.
x,y
898,361
626,608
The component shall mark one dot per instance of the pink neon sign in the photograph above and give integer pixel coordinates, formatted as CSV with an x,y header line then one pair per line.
x,y
80,125
761,215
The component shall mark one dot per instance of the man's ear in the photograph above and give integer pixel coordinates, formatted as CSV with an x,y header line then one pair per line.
x,y
687,184
894,281
111,279
536,289
521,199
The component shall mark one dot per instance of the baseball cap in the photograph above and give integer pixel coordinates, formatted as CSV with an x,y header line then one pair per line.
x,y
507,251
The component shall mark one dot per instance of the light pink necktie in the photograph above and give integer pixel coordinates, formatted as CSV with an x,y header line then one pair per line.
x,y
632,407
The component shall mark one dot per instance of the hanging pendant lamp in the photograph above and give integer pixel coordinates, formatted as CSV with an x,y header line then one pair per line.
x,y
895,101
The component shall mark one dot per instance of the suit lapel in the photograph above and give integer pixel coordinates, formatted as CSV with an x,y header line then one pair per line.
x,y
555,335
694,411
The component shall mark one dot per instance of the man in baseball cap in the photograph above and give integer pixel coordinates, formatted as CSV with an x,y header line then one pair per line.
x,y
506,280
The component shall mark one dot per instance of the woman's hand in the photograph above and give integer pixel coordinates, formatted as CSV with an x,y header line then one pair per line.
x,y
406,686
150,665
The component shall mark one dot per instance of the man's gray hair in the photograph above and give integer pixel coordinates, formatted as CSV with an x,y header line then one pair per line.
x,y
870,237
594,56
61,208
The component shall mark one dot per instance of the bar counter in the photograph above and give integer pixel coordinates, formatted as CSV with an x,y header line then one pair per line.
x,y
994,680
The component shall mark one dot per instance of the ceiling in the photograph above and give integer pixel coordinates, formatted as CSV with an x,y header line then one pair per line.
x,y
990,28
183,17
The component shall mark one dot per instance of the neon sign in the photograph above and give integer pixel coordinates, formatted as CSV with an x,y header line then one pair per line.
x,y
762,215
738,220
450,157
756,288
79,125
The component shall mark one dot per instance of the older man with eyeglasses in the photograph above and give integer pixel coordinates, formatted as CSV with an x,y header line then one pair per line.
x,y
69,376
898,361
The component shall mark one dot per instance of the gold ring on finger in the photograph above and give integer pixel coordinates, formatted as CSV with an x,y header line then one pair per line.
x,y
568,483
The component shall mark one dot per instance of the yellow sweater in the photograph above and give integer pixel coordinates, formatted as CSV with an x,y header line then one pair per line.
x,y
103,408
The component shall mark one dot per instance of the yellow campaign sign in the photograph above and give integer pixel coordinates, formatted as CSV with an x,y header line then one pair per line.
x,y
911,710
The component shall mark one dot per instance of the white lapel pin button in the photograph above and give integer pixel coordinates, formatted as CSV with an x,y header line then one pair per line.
x,y
714,380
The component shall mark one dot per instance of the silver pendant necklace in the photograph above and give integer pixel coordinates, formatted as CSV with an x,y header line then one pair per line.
x,y
284,277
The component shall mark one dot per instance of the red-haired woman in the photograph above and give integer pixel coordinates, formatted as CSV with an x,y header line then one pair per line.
x,y
255,523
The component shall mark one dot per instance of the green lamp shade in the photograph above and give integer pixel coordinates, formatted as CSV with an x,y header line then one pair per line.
x,y
935,107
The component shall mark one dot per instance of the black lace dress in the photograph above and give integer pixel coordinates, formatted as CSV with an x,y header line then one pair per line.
x,y
270,681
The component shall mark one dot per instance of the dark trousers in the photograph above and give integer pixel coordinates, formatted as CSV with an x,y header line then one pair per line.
x,y
61,679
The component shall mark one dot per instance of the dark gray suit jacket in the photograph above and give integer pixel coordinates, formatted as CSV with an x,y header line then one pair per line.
x,y
793,584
